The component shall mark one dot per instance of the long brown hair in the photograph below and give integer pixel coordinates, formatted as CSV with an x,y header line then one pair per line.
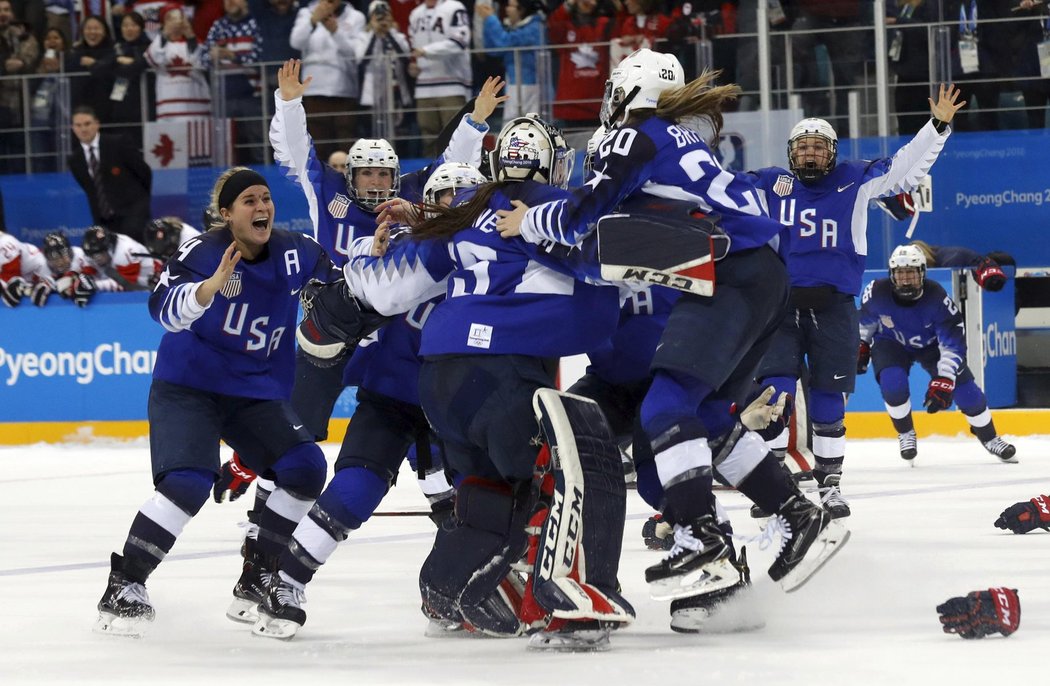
x,y
448,221
694,103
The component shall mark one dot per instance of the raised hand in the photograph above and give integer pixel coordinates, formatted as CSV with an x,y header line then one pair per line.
x,y
946,107
488,99
288,80
381,240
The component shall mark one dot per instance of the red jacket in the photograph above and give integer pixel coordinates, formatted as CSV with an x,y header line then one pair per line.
x,y
583,66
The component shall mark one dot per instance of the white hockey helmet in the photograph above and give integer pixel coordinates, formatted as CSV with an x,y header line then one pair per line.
x,y
450,176
372,152
908,257
592,149
637,82
810,170
528,148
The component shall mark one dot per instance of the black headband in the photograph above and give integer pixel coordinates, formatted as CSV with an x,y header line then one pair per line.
x,y
236,184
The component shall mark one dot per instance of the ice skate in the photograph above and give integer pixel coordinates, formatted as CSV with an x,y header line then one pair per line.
x,y
124,609
725,611
1001,449
831,497
250,588
657,533
572,636
440,627
280,612
810,539
697,563
908,445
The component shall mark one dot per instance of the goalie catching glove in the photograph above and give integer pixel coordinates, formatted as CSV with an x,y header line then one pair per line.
x,y
982,613
334,321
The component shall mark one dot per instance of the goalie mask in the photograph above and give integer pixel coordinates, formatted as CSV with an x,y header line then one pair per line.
x,y
99,242
450,176
58,252
162,236
374,154
907,272
530,149
812,150
637,82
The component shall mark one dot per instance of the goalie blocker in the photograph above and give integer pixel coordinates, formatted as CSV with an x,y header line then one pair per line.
x,y
661,242
334,321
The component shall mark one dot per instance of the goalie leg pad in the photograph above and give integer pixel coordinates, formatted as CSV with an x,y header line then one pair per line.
x,y
464,576
578,556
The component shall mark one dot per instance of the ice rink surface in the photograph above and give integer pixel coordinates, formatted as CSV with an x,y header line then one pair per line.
x,y
919,535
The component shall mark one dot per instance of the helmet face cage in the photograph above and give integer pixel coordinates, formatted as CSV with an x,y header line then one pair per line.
x,y
637,82
57,251
372,153
529,148
450,176
162,237
98,242
810,133
907,272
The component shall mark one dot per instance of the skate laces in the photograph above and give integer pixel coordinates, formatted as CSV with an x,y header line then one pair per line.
x,y
907,440
251,530
777,526
831,496
133,592
684,540
290,595
997,445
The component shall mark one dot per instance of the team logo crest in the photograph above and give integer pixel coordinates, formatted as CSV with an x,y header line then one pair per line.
x,y
339,205
886,320
233,287
784,184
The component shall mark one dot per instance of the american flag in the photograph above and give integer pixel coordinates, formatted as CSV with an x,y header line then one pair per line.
x,y
233,287
784,184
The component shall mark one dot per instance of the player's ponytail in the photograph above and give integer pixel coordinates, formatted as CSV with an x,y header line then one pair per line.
x,y
697,102
447,221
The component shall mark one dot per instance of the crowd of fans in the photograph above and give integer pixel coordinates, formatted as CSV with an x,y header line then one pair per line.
x,y
438,50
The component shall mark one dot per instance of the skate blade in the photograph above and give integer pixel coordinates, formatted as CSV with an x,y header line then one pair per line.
x,y
828,543
699,620
711,577
113,625
272,627
1008,460
586,641
243,610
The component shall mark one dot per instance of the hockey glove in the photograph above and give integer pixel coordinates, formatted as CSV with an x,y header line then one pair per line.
x,y
939,394
863,358
83,289
900,206
13,290
40,293
1023,517
233,477
333,322
982,613
760,414
989,275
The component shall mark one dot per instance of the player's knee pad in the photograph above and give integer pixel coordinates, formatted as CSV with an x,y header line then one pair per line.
x,y
189,489
578,553
826,407
301,471
348,501
461,577
970,399
736,453
893,384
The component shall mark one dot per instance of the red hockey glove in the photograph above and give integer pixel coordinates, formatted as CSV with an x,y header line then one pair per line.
x,y
982,613
233,477
900,206
939,394
1025,516
863,358
989,275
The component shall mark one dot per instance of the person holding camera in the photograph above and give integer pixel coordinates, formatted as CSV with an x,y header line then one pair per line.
x,y
383,54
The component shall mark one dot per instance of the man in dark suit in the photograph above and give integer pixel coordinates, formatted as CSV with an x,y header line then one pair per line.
x,y
113,174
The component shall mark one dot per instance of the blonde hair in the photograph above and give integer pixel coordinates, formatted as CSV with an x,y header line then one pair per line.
x,y
221,181
927,251
696,102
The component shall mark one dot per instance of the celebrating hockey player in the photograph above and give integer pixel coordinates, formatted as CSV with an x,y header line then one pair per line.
x,y
908,318
712,344
822,203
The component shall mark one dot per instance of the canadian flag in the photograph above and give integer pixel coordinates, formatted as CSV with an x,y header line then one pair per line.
x,y
179,144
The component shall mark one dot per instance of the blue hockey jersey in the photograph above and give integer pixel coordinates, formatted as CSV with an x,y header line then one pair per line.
x,y
626,356
825,240
502,296
932,320
243,343
664,159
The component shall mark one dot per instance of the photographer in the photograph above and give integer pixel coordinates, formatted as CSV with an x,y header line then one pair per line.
x,y
380,45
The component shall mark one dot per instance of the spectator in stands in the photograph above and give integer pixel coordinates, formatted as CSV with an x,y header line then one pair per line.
x,y
642,25
231,54
182,89
746,49
522,28
127,67
90,82
19,52
325,32
115,178
49,110
994,59
59,14
909,58
383,53
580,37
33,13
149,10
439,31
1028,35
276,19
338,161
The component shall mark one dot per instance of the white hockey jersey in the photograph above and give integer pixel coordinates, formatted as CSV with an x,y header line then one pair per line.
x,y
18,259
329,58
182,89
443,34
130,265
